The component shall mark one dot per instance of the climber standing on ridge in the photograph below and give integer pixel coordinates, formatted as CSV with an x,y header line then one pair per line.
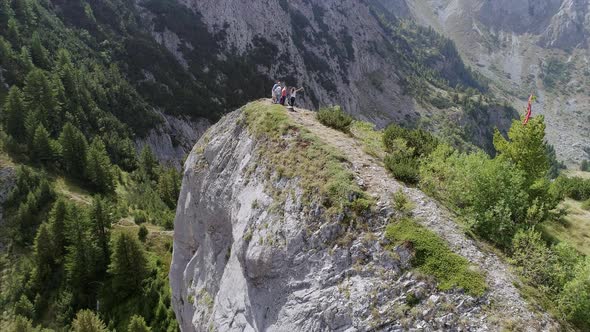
x,y
293,95
284,94
275,95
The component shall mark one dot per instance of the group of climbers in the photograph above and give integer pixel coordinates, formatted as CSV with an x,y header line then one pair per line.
x,y
282,95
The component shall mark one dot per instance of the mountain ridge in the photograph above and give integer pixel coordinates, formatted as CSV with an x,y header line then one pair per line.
x,y
263,231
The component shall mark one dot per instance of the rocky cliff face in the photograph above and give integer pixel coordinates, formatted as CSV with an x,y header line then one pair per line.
x,y
570,27
255,251
173,140
333,48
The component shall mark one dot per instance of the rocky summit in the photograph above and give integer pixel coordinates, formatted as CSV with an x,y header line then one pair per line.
x,y
256,248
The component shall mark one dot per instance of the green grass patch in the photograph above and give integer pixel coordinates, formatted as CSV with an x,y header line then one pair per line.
x,y
293,152
268,120
372,139
433,257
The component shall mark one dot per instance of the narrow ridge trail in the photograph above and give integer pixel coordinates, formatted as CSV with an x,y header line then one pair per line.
x,y
505,297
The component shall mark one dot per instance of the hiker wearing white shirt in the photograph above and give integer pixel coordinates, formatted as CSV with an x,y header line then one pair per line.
x,y
293,96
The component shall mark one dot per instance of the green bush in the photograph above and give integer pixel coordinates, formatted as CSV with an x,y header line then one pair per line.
x,y
585,166
401,203
574,188
405,169
574,300
559,271
140,217
412,300
434,257
335,118
531,255
421,142
491,193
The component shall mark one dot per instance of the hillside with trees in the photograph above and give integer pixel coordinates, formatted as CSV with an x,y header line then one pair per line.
x,y
86,231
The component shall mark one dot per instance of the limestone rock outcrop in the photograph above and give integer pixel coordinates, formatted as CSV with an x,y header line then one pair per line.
x,y
252,252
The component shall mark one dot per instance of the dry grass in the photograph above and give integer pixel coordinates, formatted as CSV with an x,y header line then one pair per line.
x,y
5,161
577,174
372,139
72,191
574,229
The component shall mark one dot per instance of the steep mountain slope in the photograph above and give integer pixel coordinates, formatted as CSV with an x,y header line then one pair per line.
x,y
276,230
355,54
115,81
191,58
526,46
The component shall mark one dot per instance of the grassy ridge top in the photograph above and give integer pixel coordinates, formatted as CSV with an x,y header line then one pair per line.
x,y
293,152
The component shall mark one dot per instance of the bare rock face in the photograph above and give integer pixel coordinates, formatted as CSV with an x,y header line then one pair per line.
x,y
336,49
173,140
519,16
570,27
510,42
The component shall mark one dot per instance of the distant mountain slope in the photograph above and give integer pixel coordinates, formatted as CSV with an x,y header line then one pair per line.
x,y
526,46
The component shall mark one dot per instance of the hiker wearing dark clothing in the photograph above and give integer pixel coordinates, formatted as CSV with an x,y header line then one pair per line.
x,y
293,95
283,95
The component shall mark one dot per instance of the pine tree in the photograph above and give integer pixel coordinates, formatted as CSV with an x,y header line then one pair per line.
x,y
526,148
15,111
148,164
74,148
98,167
169,187
25,61
88,321
41,100
6,53
80,256
24,307
69,80
41,148
21,324
138,324
142,233
101,223
6,13
39,54
13,32
57,220
24,11
43,255
128,265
